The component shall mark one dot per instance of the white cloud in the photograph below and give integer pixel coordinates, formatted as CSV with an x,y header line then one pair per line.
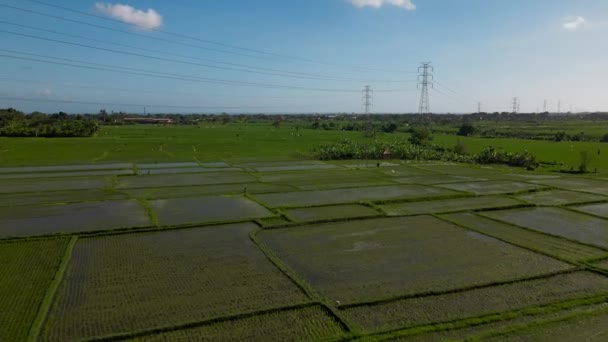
x,y
406,4
574,23
149,19
44,92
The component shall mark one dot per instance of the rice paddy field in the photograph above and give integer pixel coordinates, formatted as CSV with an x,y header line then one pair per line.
x,y
213,247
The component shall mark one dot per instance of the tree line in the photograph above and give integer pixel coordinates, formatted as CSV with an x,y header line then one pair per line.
x,y
14,123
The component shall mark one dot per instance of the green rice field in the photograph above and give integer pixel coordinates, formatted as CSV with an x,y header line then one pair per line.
x,y
243,243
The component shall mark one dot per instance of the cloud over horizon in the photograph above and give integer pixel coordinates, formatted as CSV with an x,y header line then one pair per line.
x,y
574,23
405,4
149,19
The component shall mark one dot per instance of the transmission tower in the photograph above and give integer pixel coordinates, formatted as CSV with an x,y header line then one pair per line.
x,y
515,105
559,107
425,78
478,107
368,99
545,106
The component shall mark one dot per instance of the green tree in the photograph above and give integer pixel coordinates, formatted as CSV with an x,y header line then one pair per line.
x,y
466,129
421,136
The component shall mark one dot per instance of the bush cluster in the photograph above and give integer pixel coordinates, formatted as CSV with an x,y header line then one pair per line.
x,y
348,149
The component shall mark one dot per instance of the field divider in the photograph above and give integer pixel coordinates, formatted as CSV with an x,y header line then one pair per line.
x,y
541,232
461,289
299,282
489,318
49,296
581,212
572,262
196,324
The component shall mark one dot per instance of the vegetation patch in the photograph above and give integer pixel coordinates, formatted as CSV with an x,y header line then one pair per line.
x,y
180,211
491,187
449,205
600,209
559,197
546,244
37,185
306,324
67,174
560,222
577,184
139,282
369,260
352,195
65,168
35,220
602,265
203,190
26,272
154,181
57,197
331,212
167,165
477,302
181,170
436,179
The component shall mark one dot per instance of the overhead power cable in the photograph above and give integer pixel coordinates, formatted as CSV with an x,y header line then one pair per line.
x,y
134,90
148,73
320,76
206,41
27,99
185,62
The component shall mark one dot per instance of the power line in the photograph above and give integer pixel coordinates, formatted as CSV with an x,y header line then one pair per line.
x,y
367,99
148,73
167,59
272,54
425,106
265,71
26,99
134,90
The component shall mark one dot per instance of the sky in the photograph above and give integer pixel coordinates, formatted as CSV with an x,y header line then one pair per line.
x,y
302,56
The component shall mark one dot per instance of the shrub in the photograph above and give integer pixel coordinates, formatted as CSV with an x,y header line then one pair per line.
x,y
421,136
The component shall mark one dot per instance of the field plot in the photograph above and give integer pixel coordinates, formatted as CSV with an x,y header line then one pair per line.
x,y
67,174
65,168
359,261
600,209
602,264
302,165
26,272
339,196
325,180
477,302
55,184
71,218
331,212
155,181
306,324
448,205
56,197
589,328
202,190
491,187
437,179
167,165
560,222
139,282
560,197
206,209
463,170
182,170
577,184
543,243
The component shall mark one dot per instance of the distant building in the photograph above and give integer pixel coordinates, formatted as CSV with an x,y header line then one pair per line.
x,y
149,120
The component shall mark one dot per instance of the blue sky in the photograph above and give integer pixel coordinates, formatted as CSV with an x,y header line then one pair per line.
x,y
483,51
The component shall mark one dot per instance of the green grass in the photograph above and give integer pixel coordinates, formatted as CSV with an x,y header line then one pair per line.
x,y
310,324
121,284
27,270
477,302
549,245
370,260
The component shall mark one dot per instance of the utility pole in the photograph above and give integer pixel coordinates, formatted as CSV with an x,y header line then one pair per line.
x,y
425,78
515,105
368,98
545,106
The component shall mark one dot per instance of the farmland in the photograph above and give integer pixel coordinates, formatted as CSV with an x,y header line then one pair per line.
x,y
149,233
